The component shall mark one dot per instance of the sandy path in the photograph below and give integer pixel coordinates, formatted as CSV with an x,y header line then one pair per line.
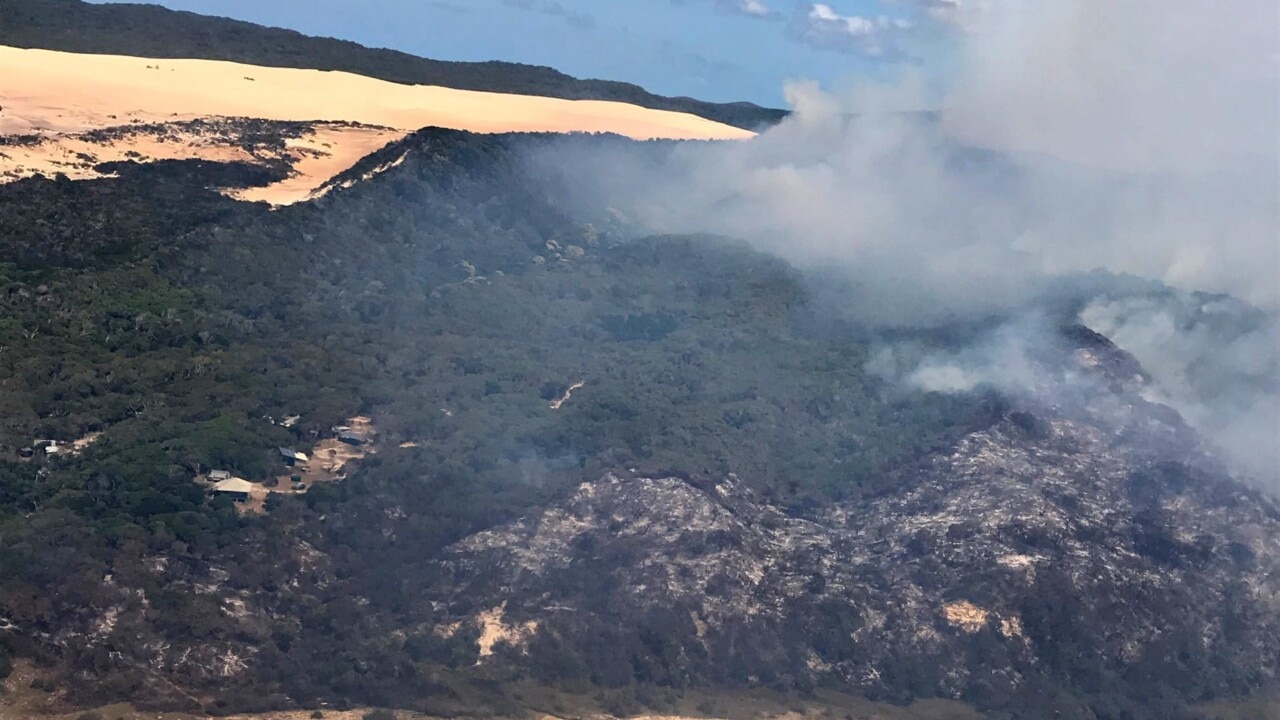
x,y
568,393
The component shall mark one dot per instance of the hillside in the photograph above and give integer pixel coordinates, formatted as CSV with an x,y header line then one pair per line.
x,y
323,390
153,32
724,452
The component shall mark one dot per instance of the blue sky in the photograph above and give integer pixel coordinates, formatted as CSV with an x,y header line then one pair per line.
x,y
720,50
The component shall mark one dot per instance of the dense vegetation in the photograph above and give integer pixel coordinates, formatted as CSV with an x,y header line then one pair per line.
x,y
155,32
462,288
451,299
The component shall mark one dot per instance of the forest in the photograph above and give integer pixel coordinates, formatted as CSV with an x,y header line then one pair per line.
x,y
451,301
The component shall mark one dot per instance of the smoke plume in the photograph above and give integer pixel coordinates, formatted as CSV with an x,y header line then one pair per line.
x,y
1077,140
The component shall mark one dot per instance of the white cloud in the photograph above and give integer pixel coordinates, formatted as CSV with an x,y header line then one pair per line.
x,y
876,37
943,10
753,7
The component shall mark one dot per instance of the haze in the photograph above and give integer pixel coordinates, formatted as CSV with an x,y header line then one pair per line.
x,y
1134,138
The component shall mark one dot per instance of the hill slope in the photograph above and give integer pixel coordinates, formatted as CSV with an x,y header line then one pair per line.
x,y
154,32
1077,553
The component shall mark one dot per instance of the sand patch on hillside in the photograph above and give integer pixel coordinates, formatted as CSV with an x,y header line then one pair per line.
x,y
58,96
327,152
568,393
317,152
494,630
965,615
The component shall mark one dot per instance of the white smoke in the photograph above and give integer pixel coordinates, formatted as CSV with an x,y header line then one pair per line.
x,y
1001,360
1139,137
1180,97
1214,361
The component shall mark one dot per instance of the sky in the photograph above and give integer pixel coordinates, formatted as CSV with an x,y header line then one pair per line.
x,y
716,50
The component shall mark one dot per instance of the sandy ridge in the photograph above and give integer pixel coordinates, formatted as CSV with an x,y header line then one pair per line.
x,y
58,96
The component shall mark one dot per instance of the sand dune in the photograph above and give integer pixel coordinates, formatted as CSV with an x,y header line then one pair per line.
x,y
59,96
317,151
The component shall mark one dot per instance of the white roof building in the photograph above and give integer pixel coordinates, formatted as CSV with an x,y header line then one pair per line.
x,y
234,485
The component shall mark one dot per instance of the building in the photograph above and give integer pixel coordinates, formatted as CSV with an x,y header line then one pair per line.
x,y
292,457
351,437
237,489
217,476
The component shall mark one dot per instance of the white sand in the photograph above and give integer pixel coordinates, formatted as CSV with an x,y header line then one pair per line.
x,y
48,90
328,152
315,157
56,94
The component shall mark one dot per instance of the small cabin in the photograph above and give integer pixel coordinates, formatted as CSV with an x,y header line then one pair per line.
x,y
351,437
292,457
217,476
237,489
